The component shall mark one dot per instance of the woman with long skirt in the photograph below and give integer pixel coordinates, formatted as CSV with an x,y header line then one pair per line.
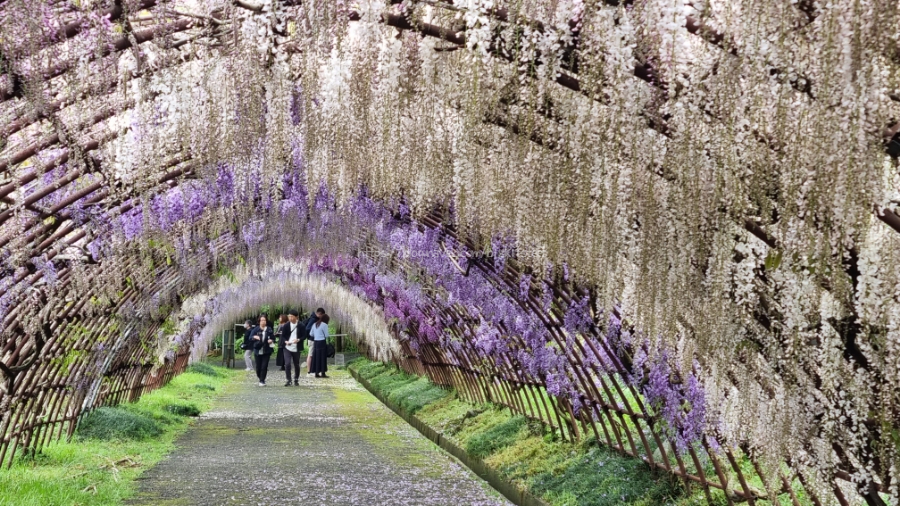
x,y
319,352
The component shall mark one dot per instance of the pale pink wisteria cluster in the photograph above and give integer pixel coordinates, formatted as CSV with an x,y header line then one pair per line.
x,y
288,284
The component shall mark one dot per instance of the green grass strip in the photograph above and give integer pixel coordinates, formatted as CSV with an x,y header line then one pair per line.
x,y
113,446
528,453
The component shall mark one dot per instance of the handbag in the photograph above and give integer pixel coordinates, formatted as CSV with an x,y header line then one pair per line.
x,y
329,350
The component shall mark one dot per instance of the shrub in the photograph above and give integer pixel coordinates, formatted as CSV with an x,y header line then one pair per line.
x,y
116,423
183,409
495,438
205,387
204,369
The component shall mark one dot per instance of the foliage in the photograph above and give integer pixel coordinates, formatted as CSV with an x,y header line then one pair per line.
x,y
108,424
205,369
410,392
93,471
601,477
496,438
564,474
369,369
414,395
190,409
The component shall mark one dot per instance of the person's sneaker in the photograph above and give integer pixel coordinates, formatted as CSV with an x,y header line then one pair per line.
x,y
262,384
248,369
287,384
296,382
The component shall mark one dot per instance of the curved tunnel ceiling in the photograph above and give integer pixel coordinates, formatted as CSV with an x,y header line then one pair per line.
x,y
694,201
284,284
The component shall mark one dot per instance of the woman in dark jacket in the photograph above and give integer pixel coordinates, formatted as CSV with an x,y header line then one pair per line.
x,y
279,358
262,339
318,335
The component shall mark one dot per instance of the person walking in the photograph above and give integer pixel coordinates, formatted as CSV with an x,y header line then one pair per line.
x,y
262,338
319,348
291,344
247,346
279,359
307,325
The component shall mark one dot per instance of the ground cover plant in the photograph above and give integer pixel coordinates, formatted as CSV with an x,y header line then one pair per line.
x,y
410,392
526,452
112,446
534,457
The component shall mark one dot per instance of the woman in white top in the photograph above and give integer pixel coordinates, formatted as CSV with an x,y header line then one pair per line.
x,y
319,334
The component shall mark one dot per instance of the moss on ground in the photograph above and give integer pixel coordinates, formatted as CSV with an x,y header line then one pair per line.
x,y
326,442
526,452
380,432
89,470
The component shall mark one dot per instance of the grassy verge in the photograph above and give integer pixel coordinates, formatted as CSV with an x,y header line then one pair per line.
x,y
525,452
113,446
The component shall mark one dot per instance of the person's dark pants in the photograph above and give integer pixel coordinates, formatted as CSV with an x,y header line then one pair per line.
x,y
320,358
291,357
262,367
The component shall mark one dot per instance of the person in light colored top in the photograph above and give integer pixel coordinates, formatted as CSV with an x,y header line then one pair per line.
x,y
307,325
291,344
319,352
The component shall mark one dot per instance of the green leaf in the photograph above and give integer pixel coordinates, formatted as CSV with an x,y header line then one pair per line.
x,y
773,260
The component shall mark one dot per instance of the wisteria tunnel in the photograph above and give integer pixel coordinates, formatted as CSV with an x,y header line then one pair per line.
x,y
666,224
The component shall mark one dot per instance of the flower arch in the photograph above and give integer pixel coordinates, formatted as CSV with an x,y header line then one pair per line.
x,y
288,283
694,199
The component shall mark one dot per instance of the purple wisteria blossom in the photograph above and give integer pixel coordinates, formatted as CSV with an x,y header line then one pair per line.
x,y
430,301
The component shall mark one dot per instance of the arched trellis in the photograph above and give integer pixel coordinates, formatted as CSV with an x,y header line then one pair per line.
x,y
53,121
289,283
623,421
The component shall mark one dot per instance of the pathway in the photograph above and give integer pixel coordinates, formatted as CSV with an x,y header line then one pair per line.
x,y
326,442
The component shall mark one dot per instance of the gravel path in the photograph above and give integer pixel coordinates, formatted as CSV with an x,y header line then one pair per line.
x,y
326,442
